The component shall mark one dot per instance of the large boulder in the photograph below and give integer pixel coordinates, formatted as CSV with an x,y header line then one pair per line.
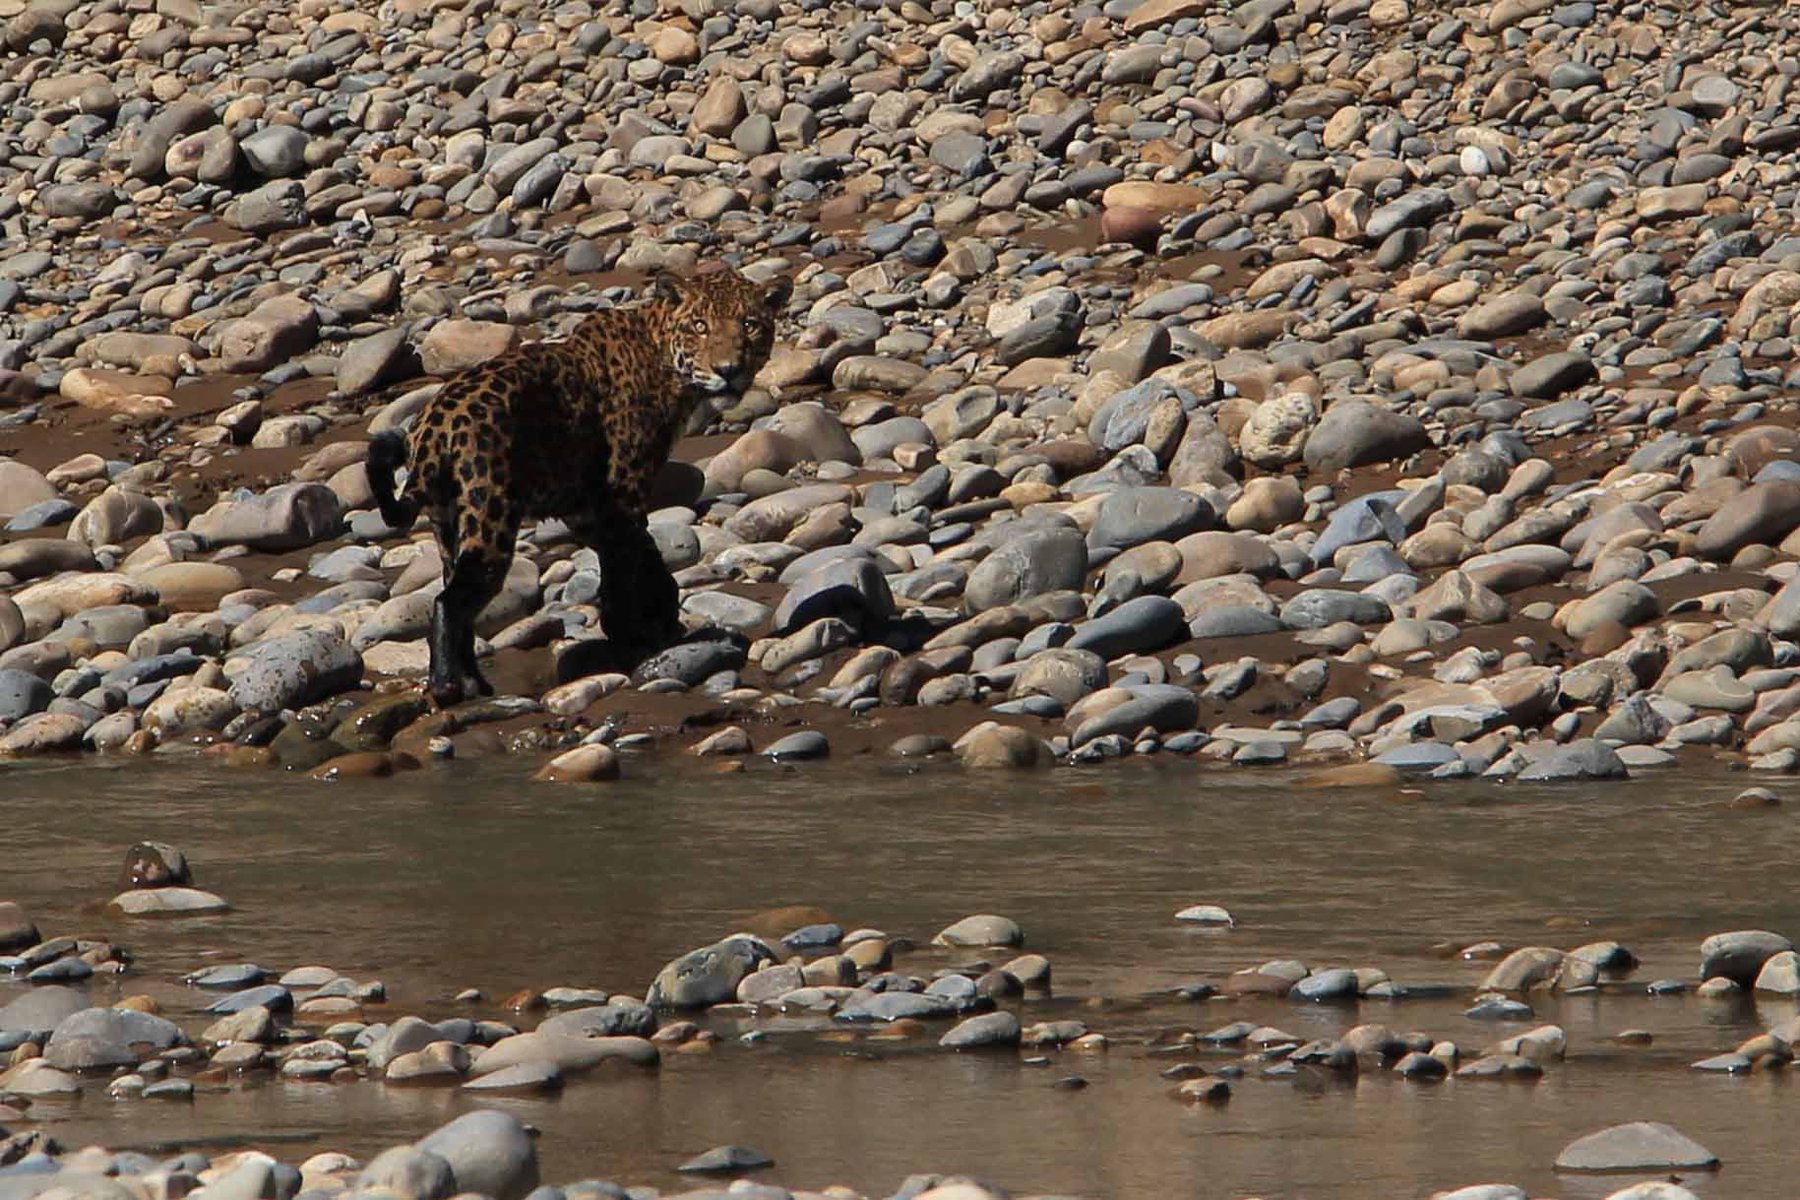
x,y
292,669
1132,516
849,586
1761,513
286,517
1043,558
490,1153
1637,1146
1739,955
1353,433
101,1038
39,1011
273,332
709,975
1587,758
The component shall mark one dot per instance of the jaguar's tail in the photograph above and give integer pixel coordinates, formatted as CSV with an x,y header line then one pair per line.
x,y
387,454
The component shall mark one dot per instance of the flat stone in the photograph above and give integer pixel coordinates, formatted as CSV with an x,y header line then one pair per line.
x,y
984,929
726,1160
168,901
1638,1146
1588,758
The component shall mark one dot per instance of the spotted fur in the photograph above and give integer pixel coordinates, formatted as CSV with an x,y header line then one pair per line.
x,y
576,429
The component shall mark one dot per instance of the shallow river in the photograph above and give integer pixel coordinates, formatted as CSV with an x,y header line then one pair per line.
x,y
467,876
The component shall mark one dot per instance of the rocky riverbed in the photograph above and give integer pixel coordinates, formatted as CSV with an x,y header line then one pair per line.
x,y
1586,1018
1396,391
1391,382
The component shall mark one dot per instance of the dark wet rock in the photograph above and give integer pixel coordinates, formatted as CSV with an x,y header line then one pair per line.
x,y
806,744
852,588
693,662
155,865
22,694
1421,1067
17,929
272,996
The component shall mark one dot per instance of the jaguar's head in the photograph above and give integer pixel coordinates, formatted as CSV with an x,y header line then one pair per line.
x,y
717,328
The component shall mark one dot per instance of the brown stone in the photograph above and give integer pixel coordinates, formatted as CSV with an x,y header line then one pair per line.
x,y
358,764
1154,197
1139,227
1363,774
155,865
1155,13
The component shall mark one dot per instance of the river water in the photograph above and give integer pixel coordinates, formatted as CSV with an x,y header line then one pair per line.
x,y
466,875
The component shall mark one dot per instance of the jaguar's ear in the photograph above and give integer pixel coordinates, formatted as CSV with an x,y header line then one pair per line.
x,y
665,288
780,290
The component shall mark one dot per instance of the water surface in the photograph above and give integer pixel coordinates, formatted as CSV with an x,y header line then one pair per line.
x,y
466,875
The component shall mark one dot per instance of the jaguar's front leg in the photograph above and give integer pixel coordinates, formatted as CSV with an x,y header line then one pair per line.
x,y
640,602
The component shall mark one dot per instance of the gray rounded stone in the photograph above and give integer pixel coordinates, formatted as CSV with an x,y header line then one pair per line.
x,y
1638,1146
1037,560
489,1152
